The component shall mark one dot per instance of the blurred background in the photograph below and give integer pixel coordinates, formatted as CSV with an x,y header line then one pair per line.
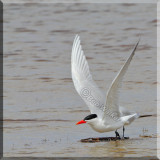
x,y
41,105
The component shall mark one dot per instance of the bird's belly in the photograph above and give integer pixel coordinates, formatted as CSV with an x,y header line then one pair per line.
x,y
105,128
101,129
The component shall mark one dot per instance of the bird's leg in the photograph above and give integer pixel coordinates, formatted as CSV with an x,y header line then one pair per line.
x,y
123,131
117,134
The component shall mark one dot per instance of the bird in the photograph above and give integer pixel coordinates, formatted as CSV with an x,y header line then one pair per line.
x,y
106,113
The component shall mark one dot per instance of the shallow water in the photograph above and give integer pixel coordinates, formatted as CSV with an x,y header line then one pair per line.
x,y
41,105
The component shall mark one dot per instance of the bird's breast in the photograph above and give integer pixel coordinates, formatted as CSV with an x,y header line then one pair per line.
x,y
101,127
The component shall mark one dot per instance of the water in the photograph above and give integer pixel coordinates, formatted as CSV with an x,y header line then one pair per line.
x,y
41,105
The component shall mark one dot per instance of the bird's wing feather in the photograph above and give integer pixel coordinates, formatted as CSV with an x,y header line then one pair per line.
x,y
83,81
111,109
125,112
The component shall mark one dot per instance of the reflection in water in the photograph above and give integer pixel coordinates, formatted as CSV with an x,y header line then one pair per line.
x,y
41,105
109,149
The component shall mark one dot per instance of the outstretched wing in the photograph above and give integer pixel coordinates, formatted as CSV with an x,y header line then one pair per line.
x,y
83,81
111,109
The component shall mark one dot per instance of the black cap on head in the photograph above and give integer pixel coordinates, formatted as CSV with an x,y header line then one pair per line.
x,y
91,116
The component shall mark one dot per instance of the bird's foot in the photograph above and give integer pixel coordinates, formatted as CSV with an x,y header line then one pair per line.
x,y
117,135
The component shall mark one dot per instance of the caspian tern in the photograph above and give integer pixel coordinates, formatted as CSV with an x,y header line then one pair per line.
x,y
106,114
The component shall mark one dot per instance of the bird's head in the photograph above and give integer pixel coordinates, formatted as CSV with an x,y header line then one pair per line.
x,y
89,119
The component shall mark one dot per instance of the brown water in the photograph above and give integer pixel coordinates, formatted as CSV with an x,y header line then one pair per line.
x,y
41,105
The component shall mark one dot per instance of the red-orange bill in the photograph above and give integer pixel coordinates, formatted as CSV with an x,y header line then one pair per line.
x,y
80,122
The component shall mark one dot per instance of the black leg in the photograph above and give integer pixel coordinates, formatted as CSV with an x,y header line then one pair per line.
x,y
123,131
117,134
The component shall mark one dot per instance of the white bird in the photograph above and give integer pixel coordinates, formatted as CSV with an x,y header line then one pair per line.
x,y
106,114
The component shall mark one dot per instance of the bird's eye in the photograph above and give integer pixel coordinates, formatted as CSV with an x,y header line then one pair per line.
x,y
91,116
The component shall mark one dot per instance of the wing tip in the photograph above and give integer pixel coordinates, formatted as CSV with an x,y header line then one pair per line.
x,y
77,36
136,44
138,40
